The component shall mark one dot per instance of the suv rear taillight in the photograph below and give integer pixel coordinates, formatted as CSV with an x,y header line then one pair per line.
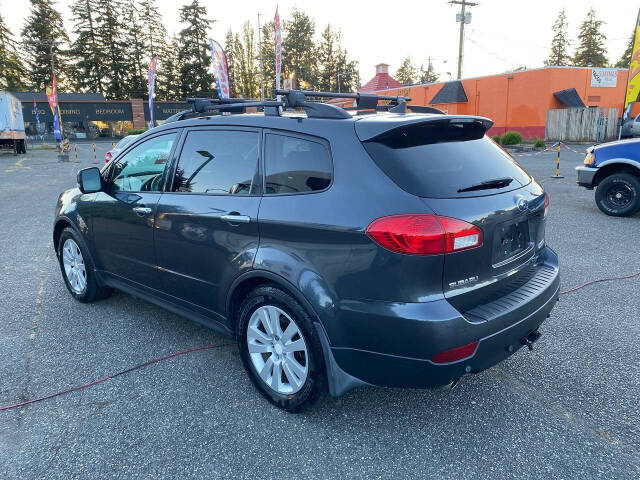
x,y
546,205
456,354
424,234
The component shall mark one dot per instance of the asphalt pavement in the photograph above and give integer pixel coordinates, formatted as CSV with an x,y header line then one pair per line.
x,y
568,409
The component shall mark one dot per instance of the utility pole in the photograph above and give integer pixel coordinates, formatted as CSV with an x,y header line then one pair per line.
x,y
461,17
261,64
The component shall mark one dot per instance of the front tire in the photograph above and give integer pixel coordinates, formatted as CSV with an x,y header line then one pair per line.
x,y
619,195
281,350
77,269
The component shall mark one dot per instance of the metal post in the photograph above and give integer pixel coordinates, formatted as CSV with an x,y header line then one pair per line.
x,y
463,4
557,175
75,149
95,160
261,64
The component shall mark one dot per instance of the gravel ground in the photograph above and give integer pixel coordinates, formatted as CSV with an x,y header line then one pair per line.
x,y
569,409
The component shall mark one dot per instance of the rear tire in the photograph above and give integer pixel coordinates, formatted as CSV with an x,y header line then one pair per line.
x,y
281,350
618,195
77,269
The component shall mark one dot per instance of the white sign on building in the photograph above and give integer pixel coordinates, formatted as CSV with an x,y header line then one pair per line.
x,y
604,77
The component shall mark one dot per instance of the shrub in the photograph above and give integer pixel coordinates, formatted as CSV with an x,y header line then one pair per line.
x,y
511,138
539,143
496,138
135,131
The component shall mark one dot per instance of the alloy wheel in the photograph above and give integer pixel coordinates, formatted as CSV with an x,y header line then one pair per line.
x,y
74,267
277,349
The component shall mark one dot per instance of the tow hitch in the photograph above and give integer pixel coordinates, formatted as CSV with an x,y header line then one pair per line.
x,y
530,339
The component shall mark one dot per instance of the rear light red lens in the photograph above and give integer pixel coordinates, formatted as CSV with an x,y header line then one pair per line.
x,y
546,205
107,157
455,354
424,234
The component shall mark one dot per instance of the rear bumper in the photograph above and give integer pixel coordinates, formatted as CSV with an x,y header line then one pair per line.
x,y
401,359
586,176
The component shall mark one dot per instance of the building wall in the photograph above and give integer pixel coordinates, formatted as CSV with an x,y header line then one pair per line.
x,y
519,101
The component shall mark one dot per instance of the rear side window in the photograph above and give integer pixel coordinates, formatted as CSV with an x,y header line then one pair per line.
x,y
438,159
295,165
218,162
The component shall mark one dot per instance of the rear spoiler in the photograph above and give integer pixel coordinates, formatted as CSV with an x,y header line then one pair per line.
x,y
368,128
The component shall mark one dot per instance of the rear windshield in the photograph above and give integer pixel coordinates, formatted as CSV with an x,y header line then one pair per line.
x,y
438,159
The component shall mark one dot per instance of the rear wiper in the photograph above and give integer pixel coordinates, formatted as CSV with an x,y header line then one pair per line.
x,y
488,184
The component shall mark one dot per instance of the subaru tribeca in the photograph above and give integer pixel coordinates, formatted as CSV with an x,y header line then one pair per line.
x,y
339,249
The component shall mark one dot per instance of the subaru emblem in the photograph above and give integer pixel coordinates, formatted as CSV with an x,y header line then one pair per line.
x,y
523,204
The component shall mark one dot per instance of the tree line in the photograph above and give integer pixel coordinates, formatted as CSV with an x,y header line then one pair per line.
x,y
111,42
590,49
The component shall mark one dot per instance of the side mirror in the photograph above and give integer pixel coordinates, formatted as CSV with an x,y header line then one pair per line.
x,y
89,180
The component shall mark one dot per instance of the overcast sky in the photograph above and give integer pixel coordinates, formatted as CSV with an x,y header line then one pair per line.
x,y
503,34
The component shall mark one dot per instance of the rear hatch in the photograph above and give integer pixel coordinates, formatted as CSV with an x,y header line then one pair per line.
x,y
460,173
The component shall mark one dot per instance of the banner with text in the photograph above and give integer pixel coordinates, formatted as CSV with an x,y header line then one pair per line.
x,y
220,70
633,84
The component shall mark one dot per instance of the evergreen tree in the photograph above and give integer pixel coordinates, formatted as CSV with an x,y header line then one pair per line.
x,y
334,72
194,55
591,49
246,72
152,29
86,49
168,73
625,59
11,71
559,54
427,75
268,50
136,52
298,48
43,34
229,51
407,72
112,40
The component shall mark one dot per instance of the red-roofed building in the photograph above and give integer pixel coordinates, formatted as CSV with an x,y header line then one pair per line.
x,y
382,80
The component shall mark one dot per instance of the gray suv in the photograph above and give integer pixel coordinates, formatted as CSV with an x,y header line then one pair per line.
x,y
339,248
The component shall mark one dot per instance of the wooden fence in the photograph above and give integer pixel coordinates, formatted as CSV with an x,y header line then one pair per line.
x,y
582,124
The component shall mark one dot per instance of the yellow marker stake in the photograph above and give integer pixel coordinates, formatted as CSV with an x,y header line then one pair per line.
x,y
557,175
95,160
75,148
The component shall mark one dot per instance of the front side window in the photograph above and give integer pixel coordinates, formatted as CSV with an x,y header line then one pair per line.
x,y
220,162
141,169
295,165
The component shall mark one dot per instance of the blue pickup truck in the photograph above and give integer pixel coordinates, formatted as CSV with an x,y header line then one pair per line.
x,y
613,169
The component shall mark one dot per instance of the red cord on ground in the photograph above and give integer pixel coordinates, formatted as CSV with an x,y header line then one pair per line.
x,y
598,281
109,377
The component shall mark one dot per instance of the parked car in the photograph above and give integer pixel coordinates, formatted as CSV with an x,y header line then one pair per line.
x,y
631,128
339,250
118,147
613,169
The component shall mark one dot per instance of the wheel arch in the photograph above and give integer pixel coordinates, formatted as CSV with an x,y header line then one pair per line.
x,y
246,282
616,166
58,228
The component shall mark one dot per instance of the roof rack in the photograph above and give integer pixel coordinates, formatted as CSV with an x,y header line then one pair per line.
x,y
299,99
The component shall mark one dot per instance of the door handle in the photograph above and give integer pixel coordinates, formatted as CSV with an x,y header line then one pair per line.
x,y
234,218
142,211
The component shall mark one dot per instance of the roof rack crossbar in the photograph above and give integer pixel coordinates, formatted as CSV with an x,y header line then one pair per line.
x,y
357,95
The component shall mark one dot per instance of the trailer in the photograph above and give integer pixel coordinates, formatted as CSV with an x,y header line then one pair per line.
x,y
12,134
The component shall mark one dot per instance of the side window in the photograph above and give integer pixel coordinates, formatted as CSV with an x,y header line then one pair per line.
x,y
294,165
141,169
218,162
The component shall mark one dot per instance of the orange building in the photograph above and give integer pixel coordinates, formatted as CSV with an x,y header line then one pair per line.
x,y
519,100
